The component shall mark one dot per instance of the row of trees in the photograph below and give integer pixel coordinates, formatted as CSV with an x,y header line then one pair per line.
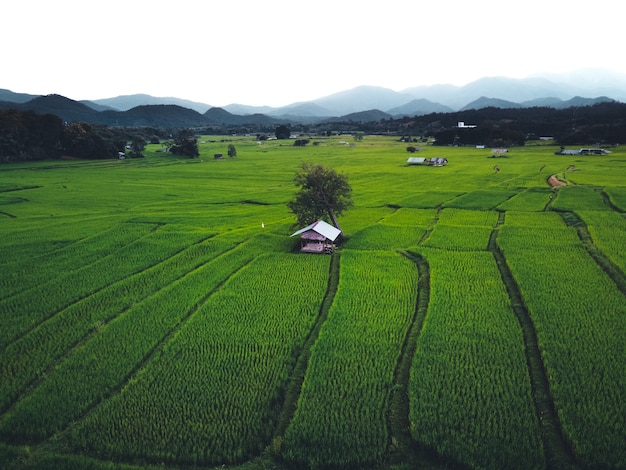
x,y
27,136
603,122
584,125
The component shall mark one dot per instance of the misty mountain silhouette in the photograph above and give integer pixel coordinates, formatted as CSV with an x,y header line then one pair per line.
x,y
365,103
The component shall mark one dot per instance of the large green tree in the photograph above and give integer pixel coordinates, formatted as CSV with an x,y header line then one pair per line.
x,y
185,144
323,192
282,132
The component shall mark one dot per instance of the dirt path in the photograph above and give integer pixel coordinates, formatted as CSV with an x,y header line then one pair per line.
x,y
554,182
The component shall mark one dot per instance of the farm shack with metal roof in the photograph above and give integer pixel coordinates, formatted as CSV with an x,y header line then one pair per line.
x,y
319,237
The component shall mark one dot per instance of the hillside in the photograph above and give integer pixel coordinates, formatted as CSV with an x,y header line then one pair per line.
x,y
370,115
126,102
354,105
12,97
419,107
162,115
67,109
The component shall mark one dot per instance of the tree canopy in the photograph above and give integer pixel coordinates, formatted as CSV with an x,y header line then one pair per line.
x,y
282,132
323,192
185,144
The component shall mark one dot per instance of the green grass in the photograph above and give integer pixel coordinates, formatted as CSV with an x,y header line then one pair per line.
x,y
340,418
243,364
580,317
152,310
608,231
470,392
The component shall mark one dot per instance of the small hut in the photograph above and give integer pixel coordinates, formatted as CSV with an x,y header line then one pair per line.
x,y
319,237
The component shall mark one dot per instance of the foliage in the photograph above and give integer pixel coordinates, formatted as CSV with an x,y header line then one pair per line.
x,y
485,135
28,136
137,146
282,132
602,122
185,144
323,192
81,140
232,151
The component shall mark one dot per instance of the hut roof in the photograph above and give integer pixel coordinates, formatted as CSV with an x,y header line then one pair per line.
x,y
317,229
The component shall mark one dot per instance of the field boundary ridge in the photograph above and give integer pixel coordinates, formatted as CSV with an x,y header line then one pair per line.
x,y
558,451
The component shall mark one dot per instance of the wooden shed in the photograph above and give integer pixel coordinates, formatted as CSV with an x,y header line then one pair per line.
x,y
319,237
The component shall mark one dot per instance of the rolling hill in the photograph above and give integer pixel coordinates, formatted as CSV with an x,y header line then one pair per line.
x,y
581,89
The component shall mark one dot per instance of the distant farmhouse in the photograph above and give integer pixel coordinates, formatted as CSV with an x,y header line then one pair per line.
x,y
435,161
462,125
583,151
319,237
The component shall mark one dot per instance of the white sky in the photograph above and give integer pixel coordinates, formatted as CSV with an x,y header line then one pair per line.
x,y
276,52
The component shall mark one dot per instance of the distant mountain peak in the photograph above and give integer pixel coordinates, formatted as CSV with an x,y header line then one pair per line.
x,y
126,102
557,91
486,102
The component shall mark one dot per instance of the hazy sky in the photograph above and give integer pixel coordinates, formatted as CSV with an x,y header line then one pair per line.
x,y
276,52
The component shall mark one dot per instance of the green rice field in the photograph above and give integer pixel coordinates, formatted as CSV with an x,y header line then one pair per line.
x,y
156,313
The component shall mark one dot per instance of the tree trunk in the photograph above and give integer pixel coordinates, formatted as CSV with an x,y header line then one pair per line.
x,y
333,219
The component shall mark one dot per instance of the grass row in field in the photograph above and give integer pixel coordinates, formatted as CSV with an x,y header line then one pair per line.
x,y
481,199
459,238
31,239
410,217
617,196
20,313
464,230
97,367
579,198
33,271
388,237
531,200
425,200
24,360
469,390
341,414
462,217
359,218
608,231
400,229
212,393
580,317
540,220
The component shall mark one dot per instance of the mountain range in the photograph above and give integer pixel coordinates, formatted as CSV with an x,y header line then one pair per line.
x,y
363,103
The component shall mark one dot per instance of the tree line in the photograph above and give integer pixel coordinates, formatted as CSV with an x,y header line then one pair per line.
x,y
603,123
28,136
25,135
